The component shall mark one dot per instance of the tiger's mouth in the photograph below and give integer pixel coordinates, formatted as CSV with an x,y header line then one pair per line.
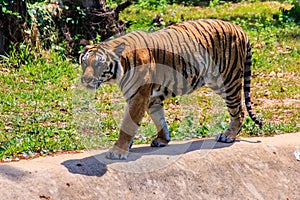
x,y
93,85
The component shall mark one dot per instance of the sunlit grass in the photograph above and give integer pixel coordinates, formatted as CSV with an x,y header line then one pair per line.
x,y
36,111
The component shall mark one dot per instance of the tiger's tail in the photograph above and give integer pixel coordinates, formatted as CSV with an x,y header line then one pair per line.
x,y
247,77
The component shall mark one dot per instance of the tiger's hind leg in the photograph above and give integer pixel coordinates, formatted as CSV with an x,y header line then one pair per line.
x,y
232,130
156,112
234,105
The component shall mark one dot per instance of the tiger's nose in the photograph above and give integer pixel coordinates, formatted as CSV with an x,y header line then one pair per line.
x,y
86,79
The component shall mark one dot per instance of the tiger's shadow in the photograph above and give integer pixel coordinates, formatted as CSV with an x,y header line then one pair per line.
x,y
96,165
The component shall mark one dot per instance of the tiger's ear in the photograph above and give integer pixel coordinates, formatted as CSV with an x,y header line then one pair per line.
x,y
119,49
84,50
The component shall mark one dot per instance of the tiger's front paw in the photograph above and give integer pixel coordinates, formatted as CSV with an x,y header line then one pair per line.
x,y
117,153
225,139
159,142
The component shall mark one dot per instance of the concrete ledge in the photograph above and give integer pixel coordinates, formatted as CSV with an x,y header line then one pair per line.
x,y
250,168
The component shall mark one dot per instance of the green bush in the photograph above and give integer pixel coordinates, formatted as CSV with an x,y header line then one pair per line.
x,y
293,14
41,25
152,4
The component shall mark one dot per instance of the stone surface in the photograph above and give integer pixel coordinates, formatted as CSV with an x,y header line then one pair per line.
x,y
250,168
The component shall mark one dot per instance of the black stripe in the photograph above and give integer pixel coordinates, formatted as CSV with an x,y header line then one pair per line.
x,y
224,40
236,89
247,100
132,87
187,52
182,71
217,57
203,35
161,97
232,68
188,31
166,91
175,86
163,49
147,46
228,66
116,65
126,75
247,73
135,93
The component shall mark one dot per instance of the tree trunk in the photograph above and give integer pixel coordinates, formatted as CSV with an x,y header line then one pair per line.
x,y
3,39
77,23
11,25
94,20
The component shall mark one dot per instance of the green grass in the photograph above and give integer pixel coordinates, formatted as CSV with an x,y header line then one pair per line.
x,y
43,109
36,110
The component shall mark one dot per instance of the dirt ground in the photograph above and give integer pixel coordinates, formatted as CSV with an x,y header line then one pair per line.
x,y
251,168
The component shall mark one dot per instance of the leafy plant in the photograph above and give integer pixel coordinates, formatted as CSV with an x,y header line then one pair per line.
x,y
42,28
5,10
152,4
213,3
292,14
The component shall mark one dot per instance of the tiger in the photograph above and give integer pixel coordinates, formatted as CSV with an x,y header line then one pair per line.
x,y
174,61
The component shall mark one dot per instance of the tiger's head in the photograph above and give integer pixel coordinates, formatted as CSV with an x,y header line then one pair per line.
x,y
101,64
